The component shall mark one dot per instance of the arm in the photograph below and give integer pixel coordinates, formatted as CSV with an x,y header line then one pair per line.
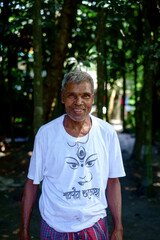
x,y
115,205
28,200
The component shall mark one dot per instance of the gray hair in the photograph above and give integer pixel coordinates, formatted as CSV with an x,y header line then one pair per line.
x,y
77,76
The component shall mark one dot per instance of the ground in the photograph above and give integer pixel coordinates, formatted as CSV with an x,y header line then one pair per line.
x,y
141,215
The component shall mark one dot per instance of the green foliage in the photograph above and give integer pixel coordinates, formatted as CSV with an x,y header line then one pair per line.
x,y
123,36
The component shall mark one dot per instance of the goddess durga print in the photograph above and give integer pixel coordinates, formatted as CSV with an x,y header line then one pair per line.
x,y
82,161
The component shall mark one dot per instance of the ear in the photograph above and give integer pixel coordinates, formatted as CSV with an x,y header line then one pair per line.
x,y
62,97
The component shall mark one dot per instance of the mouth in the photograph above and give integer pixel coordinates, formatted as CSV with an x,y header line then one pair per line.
x,y
82,183
85,181
78,111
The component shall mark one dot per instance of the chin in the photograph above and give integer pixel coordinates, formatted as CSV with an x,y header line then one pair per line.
x,y
77,119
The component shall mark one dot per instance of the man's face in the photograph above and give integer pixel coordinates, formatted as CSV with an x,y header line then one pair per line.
x,y
78,100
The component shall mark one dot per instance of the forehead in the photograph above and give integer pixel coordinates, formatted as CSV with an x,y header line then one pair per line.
x,y
84,86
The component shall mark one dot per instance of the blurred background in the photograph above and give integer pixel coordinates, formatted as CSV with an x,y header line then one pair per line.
x,y
118,43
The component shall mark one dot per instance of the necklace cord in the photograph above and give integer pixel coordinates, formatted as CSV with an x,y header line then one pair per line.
x,y
76,143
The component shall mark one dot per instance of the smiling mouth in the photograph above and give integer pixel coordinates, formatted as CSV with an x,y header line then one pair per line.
x,y
78,110
82,183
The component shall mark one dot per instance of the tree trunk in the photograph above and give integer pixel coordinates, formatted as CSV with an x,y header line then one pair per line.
x,y
148,78
58,57
139,131
38,84
11,63
124,99
5,72
138,104
147,113
106,82
101,63
144,106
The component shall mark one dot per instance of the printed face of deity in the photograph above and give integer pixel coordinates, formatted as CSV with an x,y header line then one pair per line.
x,y
82,162
78,100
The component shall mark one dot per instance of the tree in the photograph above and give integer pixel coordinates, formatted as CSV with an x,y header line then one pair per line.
x,y
138,104
58,55
149,25
101,60
38,83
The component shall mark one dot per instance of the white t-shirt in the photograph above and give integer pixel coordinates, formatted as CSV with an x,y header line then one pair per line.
x,y
74,173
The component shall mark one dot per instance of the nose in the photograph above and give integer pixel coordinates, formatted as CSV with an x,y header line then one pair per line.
x,y
78,101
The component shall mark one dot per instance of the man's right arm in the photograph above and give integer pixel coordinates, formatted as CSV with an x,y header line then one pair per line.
x,y
28,201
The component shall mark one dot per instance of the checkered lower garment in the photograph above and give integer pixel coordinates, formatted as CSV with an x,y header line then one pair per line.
x,y
99,231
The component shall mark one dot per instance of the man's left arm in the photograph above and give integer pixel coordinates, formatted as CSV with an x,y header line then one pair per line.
x,y
115,204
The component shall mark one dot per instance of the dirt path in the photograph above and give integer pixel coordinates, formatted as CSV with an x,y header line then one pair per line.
x,y
141,215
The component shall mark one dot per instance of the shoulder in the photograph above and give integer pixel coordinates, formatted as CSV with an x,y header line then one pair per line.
x,y
51,126
102,125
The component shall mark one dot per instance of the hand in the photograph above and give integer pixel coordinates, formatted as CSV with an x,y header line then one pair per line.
x,y
117,234
24,235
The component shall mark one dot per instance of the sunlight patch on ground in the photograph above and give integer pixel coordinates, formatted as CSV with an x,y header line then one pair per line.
x,y
158,174
137,175
16,231
23,162
2,154
30,153
7,183
157,184
130,188
5,154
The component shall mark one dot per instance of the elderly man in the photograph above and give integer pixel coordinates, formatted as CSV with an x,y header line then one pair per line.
x,y
78,159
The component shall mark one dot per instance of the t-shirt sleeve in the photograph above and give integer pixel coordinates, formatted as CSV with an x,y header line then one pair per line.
x,y
116,167
35,171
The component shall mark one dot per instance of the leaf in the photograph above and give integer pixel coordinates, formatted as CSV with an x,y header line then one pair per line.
x,y
86,63
16,231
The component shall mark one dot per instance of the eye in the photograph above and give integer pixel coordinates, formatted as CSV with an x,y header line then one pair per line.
x,y
86,95
71,96
90,161
73,163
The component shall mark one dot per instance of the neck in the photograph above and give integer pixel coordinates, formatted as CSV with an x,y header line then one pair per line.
x,y
77,129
